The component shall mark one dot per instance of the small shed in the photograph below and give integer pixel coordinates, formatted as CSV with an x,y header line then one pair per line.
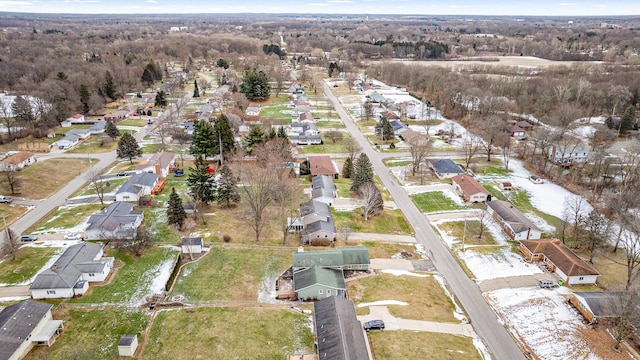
x,y
192,245
505,185
128,345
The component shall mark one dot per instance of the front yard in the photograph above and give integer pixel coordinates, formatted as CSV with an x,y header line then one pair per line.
x,y
401,345
435,201
65,217
28,261
389,222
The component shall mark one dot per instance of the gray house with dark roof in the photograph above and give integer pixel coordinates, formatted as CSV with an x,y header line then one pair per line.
x,y
24,325
512,221
444,168
323,189
319,230
137,186
72,271
339,334
118,219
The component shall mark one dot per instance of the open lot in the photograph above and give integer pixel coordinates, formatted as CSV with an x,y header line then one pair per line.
x,y
44,178
28,261
401,345
425,297
389,222
435,201
65,217
92,334
231,274
381,250
96,144
229,333
12,212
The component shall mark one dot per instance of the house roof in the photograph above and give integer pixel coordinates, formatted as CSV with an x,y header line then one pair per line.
x,y
305,116
320,225
321,164
314,207
469,185
17,158
329,277
69,138
78,116
77,132
98,125
599,303
445,166
338,331
515,129
137,181
196,241
347,255
321,192
524,124
113,216
512,216
306,126
127,339
565,259
324,182
17,322
163,159
409,135
397,125
64,274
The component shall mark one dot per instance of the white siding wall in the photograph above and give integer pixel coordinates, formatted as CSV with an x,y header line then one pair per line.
x,y
27,345
587,279
59,293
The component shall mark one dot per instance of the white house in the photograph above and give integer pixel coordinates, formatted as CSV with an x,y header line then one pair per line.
x,y
470,190
137,186
512,221
98,127
192,245
72,271
558,258
159,163
323,189
67,142
17,161
127,345
82,134
117,220
253,110
569,154
24,325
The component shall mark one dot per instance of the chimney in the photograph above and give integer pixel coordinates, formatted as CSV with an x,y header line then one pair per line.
x,y
300,249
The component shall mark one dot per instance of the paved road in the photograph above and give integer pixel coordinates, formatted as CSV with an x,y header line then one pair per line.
x,y
483,319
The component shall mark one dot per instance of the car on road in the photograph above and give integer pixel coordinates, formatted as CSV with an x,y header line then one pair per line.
x,y
535,179
6,199
121,173
374,325
547,284
73,236
27,238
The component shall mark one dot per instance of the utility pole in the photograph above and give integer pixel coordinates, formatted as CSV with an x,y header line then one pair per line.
x,y
6,229
464,233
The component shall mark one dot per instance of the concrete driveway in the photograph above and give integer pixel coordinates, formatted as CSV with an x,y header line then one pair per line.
x,y
394,323
14,291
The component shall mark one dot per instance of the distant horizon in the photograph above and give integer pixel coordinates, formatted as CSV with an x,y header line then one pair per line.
x,y
542,8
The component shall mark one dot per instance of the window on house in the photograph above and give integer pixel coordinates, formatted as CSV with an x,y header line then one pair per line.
x,y
320,291
328,291
51,292
581,278
92,274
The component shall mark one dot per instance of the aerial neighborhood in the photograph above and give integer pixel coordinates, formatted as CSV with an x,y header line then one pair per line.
x,y
265,186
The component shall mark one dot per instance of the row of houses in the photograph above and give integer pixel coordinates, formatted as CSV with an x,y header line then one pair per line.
x,y
72,137
315,223
15,161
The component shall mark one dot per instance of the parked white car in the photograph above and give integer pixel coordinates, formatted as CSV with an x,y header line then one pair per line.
x,y
536,179
73,236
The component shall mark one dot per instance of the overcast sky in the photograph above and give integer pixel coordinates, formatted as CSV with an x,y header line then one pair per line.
x,y
412,7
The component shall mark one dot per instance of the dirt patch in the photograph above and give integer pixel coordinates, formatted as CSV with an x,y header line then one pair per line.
x,y
601,343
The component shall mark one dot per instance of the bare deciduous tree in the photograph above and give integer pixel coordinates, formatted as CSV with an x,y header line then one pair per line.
x,y
624,306
420,148
97,184
346,231
631,244
11,244
594,227
12,179
574,209
372,203
352,147
470,147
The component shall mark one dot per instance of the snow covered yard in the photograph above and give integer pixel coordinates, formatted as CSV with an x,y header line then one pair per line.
x,y
543,322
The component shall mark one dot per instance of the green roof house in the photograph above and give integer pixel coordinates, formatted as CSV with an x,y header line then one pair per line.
x,y
318,283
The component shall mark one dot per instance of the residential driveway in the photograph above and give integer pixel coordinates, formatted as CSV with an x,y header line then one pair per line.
x,y
14,291
515,281
394,323
383,237
391,264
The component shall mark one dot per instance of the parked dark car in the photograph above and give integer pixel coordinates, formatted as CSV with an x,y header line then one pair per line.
x,y
178,172
374,325
27,238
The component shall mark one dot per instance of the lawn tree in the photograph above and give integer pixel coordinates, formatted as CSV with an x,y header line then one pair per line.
x,y
222,131
136,241
504,142
202,141
202,185
287,200
196,91
255,85
484,219
372,203
111,130
254,137
624,307
257,191
366,113
128,147
10,245
161,99
7,118
176,214
384,130
574,208
12,179
631,244
23,111
594,227
362,172
97,184
346,231
227,193
282,133
347,168
491,129
470,147
352,147
420,148
334,136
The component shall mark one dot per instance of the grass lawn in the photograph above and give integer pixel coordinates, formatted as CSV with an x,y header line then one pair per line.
x,y
495,193
156,148
612,269
400,345
328,146
520,199
434,201
330,124
92,334
456,229
29,260
389,162
95,145
389,222
230,274
111,185
228,333
155,219
12,212
58,173
133,279
139,122
343,187
274,112
426,299
65,217
381,250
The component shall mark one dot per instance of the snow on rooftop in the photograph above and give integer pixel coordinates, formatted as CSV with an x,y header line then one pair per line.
x,y
543,320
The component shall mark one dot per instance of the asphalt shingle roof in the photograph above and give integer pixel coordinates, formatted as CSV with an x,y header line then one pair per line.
x,y
17,322
338,331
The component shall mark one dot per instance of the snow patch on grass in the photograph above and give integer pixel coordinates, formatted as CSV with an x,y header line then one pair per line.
x,y
497,264
402,272
383,302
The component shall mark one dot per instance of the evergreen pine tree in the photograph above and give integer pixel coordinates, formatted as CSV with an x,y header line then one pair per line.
x,y
227,189
204,139
384,129
362,172
175,211
347,168
85,96
112,130
628,119
161,99
147,77
255,136
109,86
255,85
282,133
222,131
196,91
202,186
128,147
